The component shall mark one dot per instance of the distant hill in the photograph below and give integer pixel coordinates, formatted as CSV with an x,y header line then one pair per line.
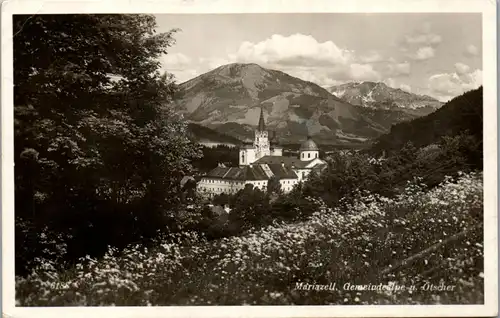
x,y
207,136
380,96
462,113
228,99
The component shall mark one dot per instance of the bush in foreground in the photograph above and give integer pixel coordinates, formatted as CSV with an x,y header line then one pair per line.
x,y
438,233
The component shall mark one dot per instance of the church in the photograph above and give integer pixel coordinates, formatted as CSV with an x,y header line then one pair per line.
x,y
261,161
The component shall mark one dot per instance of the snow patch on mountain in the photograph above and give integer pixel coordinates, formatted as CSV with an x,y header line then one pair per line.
x,y
368,98
339,93
379,95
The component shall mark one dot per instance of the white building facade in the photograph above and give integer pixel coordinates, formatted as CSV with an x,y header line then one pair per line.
x,y
261,161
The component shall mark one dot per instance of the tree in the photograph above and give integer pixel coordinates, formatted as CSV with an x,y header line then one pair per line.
x,y
343,175
99,150
221,199
274,185
250,207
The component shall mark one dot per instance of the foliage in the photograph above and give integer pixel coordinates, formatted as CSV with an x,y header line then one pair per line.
x,y
228,156
344,174
274,185
351,171
462,113
99,152
199,132
357,244
249,208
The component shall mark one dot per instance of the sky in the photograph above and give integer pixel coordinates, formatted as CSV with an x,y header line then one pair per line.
x,y
437,54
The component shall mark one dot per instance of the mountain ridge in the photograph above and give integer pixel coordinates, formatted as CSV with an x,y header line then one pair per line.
x,y
228,99
380,95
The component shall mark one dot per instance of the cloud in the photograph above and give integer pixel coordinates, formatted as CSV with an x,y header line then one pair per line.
x,y
471,50
405,87
214,62
422,36
363,72
423,53
425,39
302,56
324,63
182,66
325,77
389,81
175,61
398,69
461,68
296,49
445,86
371,57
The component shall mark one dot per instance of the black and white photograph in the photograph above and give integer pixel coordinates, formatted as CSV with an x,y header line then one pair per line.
x,y
195,160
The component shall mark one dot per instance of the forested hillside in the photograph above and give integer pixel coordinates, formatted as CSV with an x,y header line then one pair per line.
x,y
199,133
461,115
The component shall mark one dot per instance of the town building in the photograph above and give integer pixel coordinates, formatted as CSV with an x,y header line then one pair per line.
x,y
261,161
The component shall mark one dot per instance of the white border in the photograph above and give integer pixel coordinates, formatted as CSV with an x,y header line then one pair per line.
x,y
488,9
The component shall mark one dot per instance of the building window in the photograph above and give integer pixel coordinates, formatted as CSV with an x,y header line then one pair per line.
x,y
308,155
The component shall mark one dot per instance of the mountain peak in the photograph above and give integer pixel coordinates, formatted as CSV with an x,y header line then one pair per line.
x,y
233,98
237,87
240,71
380,95
239,66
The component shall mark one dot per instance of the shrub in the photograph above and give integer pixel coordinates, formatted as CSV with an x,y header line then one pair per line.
x,y
367,241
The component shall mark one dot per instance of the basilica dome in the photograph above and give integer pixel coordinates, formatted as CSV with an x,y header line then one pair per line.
x,y
309,145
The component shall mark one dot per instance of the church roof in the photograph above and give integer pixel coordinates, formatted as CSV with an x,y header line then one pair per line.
x,y
309,145
283,172
262,123
252,172
287,161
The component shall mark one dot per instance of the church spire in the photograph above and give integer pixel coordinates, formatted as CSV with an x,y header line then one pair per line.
x,y
262,124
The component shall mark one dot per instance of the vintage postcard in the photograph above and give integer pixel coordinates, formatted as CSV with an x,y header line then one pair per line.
x,y
225,158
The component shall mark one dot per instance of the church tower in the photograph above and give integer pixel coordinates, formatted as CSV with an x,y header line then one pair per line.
x,y
261,143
